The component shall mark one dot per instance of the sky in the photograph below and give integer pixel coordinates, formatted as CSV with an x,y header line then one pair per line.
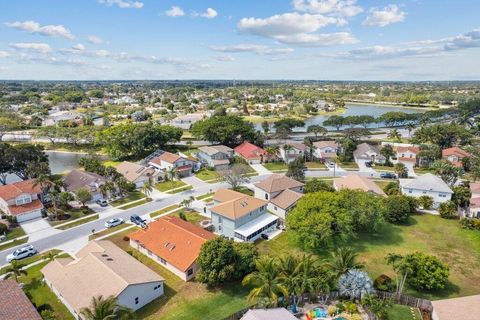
x,y
240,39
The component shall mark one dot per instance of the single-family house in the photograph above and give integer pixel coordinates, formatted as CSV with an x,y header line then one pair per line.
x,y
185,122
77,179
251,153
474,207
217,157
408,154
268,314
21,200
241,217
102,268
455,156
465,308
357,182
427,185
281,192
173,243
60,116
167,161
368,152
292,150
138,174
14,303
326,150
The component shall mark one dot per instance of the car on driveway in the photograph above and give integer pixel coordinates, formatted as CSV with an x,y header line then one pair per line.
x,y
368,164
22,253
387,175
113,222
138,221
102,202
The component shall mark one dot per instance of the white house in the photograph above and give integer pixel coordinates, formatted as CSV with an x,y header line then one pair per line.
x,y
102,268
217,157
281,192
325,150
21,200
167,161
427,185
292,150
368,152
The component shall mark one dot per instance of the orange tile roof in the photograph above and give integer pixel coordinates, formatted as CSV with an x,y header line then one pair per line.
x,y
250,151
234,204
17,210
13,190
455,151
412,149
167,157
173,239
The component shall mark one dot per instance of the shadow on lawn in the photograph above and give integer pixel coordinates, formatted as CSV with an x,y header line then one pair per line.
x,y
450,290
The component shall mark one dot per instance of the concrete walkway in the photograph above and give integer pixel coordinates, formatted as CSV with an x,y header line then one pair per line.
x,y
261,170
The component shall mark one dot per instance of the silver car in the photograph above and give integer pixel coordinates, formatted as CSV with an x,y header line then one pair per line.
x,y
22,253
114,222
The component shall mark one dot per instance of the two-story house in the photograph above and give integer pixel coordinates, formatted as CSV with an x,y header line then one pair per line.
x,y
455,156
292,150
21,200
168,161
281,192
217,157
77,179
241,217
368,152
408,154
427,185
326,150
138,174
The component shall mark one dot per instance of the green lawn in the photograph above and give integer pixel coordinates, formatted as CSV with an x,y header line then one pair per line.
x,y
399,312
205,196
111,230
383,183
111,163
245,190
136,204
423,170
315,166
383,168
78,222
206,175
276,166
13,244
180,190
74,213
191,216
30,260
15,233
132,196
186,300
167,185
348,165
458,248
164,210
40,294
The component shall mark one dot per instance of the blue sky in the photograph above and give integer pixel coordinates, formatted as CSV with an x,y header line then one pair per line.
x,y
244,39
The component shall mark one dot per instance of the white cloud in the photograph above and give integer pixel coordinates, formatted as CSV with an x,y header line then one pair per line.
x,y
123,4
79,47
210,13
4,54
175,11
225,58
383,17
34,27
344,8
94,39
255,48
33,46
296,28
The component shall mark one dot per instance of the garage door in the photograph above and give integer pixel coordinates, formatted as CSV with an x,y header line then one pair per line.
x,y
29,216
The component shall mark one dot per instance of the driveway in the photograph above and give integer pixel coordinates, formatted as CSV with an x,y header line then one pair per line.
x,y
38,229
194,182
363,168
261,170
409,165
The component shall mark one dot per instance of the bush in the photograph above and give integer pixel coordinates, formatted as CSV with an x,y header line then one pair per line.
x,y
425,202
400,208
383,283
471,224
332,310
3,228
350,307
126,238
448,210
426,272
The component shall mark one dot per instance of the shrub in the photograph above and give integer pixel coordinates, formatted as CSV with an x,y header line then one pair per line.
x,y
448,210
426,272
350,307
332,310
356,316
126,238
471,224
3,228
383,283
426,202
399,208
182,215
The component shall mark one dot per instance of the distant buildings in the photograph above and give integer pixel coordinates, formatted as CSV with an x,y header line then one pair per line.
x,y
138,174
68,115
21,200
408,154
427,185
292,150
102,268
173,243
185,122
455,156
217,157
326,150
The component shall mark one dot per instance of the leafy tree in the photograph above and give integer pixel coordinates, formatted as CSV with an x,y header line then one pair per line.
x,y
425,202
355,284
444,135
316,185
6,163
29,161
317,130
461,195
395,135
106,308
447,171
429,153
266,127
426,271
288,123
392,188
400,208
401,170
348,146
187,202
388,153
83,196
295,169
15,270
342,260
8,123
147,188
335,121
235,176
448,210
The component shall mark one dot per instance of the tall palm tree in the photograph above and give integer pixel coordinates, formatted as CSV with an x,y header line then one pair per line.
x,y
342,260
147,188
43,180
15,270
267,282
272,151
105,309
410,127
307,280
395,135
172,174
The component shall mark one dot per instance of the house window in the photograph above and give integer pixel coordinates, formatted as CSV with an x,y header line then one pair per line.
x,y
409,190
442,195
157,287
136,300
219,228
190,272
23,199
275,208
220,219
266,196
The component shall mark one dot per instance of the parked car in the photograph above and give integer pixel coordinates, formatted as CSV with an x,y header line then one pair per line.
x,y
102,202
114,222
388,175
368,164
138,221
3,237
264,236
22,253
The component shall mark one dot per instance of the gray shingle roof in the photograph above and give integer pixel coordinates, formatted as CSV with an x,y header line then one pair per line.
x,y
427,181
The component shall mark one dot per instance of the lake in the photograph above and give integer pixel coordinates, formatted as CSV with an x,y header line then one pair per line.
x,y
352,109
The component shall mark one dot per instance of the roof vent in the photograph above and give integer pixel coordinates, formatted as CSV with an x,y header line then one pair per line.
x,y
173,247
104,255
166,244
109,259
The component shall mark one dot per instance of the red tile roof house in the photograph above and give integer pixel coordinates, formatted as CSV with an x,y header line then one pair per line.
x,y
21,200
455,155
167,160
408,154
14,304
251,153
173,243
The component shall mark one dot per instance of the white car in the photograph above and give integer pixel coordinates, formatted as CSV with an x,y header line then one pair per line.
x,y
22,253
114,222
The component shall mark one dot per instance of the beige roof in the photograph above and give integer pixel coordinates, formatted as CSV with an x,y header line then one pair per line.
x,y
211,150
286,198
77,179
167,157
132,171
465,308
234,204
355,181
324,144
278,182
101,268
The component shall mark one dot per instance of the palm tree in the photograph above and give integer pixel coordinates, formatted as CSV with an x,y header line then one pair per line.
x,y
14,270
343,259
106,309
43,180
272,151
267,282
172,173
401,269
410,127
147,188
307,280
395,135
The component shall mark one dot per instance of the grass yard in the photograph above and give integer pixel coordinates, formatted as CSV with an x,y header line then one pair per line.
x,y
245,190
132,196
383,183
15,233
276,166
167,185
191,216
111,163
315,166
30,260
40,294
348,165
14,243
205,196
186,300
180,190
458,248
164,210
383,168
78,222
136,204
423,170
206,175
112,230
399,312
75,213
